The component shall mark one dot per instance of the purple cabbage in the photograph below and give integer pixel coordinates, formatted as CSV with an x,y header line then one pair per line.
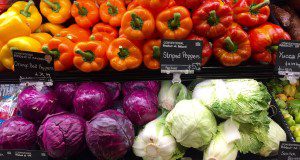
x,y
36,105
114,89
118,106
129,87
109,135
62,135
90,98
66,93
17,133
141,106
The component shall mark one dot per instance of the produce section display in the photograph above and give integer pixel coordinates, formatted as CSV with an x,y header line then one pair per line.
x,y
288,99
150,118
91,35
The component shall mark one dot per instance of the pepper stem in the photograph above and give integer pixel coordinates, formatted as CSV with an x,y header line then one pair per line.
x,y
274,48
54,53
81,10
260,5
112,10
176,21
156,52
55,6
87,56
124,53
13,49
230,46
137,22
92,37
26,12
213,18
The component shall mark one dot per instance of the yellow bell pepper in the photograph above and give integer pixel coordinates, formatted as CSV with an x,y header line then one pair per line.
x,y
56,11
19,43
11,26
43,38
28,11
2,68
50,28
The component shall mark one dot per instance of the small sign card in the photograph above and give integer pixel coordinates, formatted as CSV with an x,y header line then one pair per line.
x,y
33,67
288,58
181,56
22,155
289,151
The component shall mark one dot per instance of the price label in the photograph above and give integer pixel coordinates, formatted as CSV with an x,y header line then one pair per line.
x,y
22,155
289,151
288,58
33,67
181,56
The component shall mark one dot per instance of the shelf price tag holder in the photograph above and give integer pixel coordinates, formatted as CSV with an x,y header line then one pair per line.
x,y
289,150
33,68
180,57
22,155
288,60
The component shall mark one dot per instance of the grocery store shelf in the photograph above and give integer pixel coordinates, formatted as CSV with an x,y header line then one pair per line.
x,y
256,71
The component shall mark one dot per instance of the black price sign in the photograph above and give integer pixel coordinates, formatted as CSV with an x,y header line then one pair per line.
x,y
181,56
288,58
31,66
289,151
22,155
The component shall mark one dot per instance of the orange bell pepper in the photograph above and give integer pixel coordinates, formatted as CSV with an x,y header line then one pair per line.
x,y
56,11
43,38
101,27
172,3
174,23
124,55
138,24
102,36
75,33
90,56
86,13
154,6
112,12
138,43
62,50
151,53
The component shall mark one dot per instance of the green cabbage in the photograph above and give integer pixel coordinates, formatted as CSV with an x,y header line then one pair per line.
x,y
244,100
192,124
222,146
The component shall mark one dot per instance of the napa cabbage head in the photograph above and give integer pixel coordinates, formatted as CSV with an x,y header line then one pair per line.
x,y
192,124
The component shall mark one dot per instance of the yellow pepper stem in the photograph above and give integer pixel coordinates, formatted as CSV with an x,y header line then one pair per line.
x,y
81,10
54,5
156,52
26,12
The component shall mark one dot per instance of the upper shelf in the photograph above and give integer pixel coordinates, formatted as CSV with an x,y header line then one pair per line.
x,y
247,71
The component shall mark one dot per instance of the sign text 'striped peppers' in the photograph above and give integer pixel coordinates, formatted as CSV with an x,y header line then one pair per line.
x,y
233,48
90,56
12,26
102,27
138,24
19,43
29,12
56,11
264,42
112,12
124,55
62,50
151,51
251,13
212,19
75,33
86,13
206,49
174,23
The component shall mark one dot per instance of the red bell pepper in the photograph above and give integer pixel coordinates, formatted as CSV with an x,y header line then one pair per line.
x,y
212,19
206,49
264,42
190,4
251,13
233,48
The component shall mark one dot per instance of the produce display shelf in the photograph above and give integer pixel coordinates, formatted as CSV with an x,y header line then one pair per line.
x,y
247,71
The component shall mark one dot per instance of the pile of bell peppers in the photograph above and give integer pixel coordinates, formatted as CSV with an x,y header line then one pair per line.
x,y
125,34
